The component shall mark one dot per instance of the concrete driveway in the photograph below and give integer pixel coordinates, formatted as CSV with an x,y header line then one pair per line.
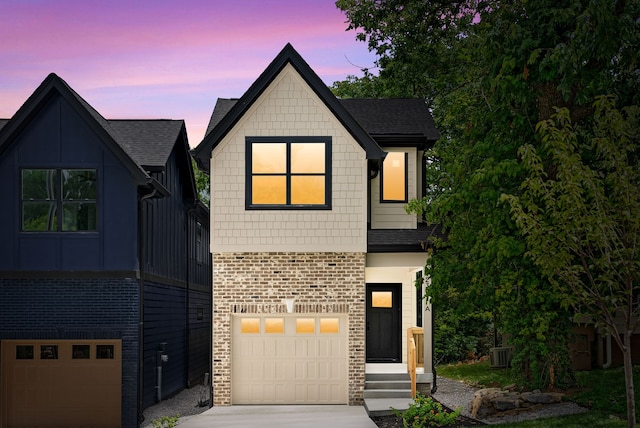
x,y
319,416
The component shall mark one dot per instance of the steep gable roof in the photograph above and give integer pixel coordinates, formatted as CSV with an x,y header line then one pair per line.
x,y
141,145
288,55
55,85
405,121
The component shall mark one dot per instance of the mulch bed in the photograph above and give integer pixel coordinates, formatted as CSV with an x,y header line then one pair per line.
x,y
393,421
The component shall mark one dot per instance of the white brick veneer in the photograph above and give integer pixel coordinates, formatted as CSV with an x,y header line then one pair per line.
x,y
257,282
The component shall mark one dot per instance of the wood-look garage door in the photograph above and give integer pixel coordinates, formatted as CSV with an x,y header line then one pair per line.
x,y
289,359
55,383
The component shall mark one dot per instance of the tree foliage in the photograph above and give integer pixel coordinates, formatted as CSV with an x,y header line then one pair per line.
x,y
491,70
202,183
580,213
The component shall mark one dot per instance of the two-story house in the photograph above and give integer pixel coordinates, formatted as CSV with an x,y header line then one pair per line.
x,y
105,272
314,256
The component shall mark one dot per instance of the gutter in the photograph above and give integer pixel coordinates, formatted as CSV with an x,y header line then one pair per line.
x,y
141,263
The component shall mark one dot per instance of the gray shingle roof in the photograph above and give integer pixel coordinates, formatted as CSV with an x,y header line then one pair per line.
x,y
140,143
148,142
392,116
403,240
222,107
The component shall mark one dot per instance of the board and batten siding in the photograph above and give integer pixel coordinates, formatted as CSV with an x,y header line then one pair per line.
x,y
58,137
288,107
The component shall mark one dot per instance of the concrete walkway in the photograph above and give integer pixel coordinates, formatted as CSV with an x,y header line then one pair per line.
x,y
320,416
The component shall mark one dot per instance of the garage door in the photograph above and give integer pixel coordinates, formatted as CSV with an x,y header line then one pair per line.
x,y
289,359
57,383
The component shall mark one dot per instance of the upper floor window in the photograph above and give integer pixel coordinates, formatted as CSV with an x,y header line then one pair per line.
x,y
394,177
59,200
288,173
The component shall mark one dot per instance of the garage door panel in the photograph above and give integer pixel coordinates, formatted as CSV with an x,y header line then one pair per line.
x,y
48,387
285,347
290,362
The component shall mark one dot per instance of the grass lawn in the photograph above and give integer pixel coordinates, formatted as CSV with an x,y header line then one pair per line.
x,y
602,391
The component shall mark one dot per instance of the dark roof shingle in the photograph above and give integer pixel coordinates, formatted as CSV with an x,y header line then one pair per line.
x,y
148,142
392,116
403,240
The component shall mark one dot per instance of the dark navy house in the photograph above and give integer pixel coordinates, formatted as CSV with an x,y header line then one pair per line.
x,y
105,269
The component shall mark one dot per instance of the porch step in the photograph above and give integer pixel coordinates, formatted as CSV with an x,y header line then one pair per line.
x,y
385,406
384,391
387,384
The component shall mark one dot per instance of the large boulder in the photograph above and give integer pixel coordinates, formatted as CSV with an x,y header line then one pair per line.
x,y
492,401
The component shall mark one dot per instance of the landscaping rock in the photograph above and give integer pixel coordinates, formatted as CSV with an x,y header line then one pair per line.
x,y
506,403
492,401
543,397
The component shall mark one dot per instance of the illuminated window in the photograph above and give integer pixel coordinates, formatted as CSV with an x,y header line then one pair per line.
x,y
329,325
288,173
250,325
305,325
274,325
394,177
382,299
59,200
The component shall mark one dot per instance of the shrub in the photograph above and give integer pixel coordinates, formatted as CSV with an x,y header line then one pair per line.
x,y
425,411
165,421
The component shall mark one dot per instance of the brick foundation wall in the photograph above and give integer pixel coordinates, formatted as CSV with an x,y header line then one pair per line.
x,y
319,282
42,309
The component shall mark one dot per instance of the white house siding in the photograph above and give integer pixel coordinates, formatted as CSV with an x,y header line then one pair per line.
x,y
398,268
261,257
393,215
288,107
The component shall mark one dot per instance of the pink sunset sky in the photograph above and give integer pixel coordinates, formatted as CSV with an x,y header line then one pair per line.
x,y
166,59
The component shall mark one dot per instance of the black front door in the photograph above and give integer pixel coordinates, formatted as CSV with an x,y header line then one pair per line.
x,y
383,323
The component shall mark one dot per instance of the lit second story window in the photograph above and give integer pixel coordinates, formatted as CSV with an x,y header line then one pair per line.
x,y
59,200
394,178
288,173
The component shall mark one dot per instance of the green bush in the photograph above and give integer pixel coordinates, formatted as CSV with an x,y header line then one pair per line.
x,y
425,411
165,421
459,335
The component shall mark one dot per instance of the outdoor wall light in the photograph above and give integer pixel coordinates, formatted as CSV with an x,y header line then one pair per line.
x,y
289,303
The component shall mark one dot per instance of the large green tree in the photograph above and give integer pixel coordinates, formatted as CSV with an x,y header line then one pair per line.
x,y
580,213
491,70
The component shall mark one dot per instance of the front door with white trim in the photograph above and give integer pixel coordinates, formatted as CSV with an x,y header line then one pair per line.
x,y
384,309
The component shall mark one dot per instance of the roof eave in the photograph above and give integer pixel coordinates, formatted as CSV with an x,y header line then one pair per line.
x,y
54,84
288,55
